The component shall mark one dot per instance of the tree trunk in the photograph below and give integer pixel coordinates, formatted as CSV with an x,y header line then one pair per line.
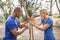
x,y
57,6
32,34
51,8
30,28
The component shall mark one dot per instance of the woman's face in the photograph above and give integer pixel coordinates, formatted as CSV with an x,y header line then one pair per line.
x,y
42,15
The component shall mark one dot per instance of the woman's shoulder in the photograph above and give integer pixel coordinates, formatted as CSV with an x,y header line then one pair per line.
x,y
50,19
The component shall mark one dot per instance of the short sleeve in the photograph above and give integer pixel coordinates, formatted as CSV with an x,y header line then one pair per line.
x,y
50,22
42,20
18,21
10,25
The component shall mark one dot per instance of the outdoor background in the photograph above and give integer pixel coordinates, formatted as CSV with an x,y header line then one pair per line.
x,y
32,8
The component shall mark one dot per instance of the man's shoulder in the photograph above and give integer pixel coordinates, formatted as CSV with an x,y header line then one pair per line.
x,y
17,19
9,20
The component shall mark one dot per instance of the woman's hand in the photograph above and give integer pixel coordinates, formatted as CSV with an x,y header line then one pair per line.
x,y
32,19
32,23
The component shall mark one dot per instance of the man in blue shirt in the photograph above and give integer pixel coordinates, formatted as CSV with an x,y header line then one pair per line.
x,y
47,25
12,24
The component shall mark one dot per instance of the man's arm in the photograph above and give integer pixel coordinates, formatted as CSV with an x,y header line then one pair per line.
x,y
23,24
16,33
12,28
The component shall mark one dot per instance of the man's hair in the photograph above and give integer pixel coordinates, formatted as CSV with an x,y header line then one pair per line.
x,y
45,11
17,9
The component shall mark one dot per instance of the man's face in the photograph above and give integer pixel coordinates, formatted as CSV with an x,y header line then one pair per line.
x,y
18,14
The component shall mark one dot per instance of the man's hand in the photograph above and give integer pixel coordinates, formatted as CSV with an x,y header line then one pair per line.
x,y
23,24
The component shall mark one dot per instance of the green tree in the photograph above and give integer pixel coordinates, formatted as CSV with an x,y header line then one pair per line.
x,y
30,8
57,6
7,4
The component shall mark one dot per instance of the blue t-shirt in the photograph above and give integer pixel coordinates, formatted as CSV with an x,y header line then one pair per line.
x,y
48,33
11,24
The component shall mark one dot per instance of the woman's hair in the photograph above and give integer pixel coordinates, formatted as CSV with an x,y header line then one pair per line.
x,y
44,11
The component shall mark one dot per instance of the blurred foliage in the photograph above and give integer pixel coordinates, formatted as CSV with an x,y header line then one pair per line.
x,y
6,15
29,5
58,22
6,7
23,18
56,16
30,11
1,21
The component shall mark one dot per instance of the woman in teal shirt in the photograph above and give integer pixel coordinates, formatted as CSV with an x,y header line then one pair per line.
x,y
47,25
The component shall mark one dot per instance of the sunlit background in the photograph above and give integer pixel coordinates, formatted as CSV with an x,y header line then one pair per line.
x,y
33,7
7,5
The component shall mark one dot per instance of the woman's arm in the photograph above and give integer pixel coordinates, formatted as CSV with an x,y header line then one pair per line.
x,y
44,27
37,26
40,27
